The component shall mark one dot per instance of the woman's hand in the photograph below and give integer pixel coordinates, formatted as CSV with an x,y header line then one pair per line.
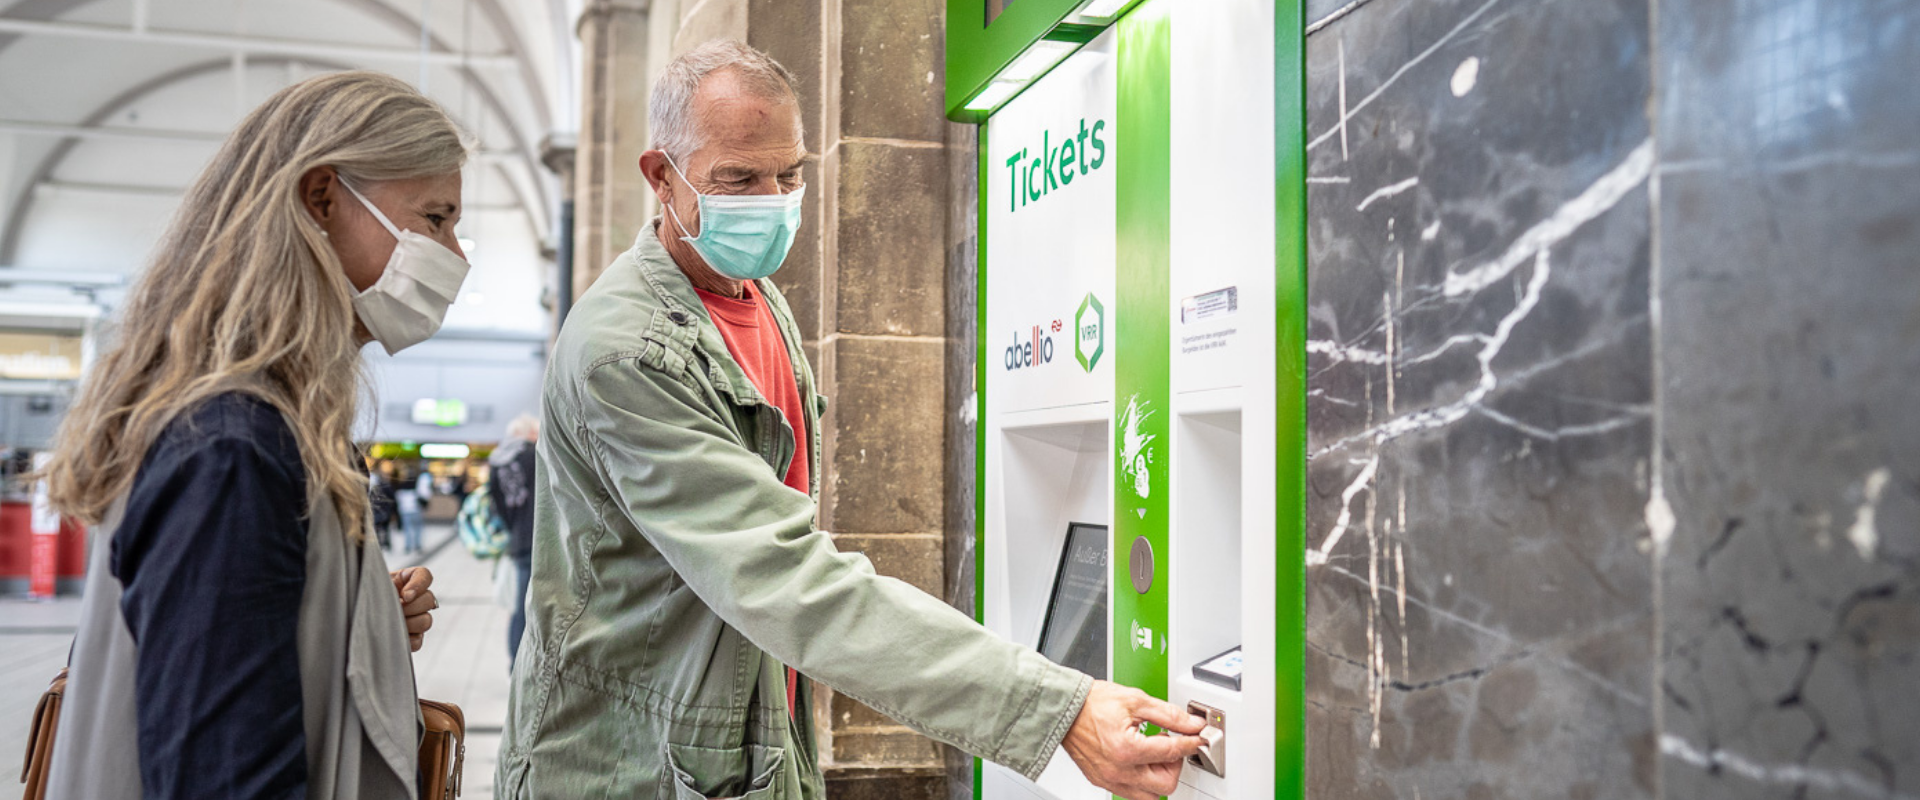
x,y
416,601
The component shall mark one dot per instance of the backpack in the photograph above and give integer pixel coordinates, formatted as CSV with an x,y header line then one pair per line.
x,y
481,530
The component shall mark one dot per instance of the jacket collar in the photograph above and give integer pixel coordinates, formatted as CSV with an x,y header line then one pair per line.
x,y
681,308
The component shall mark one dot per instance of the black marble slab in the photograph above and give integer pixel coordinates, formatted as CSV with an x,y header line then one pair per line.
x,y
1789,345
1480,410
1615,356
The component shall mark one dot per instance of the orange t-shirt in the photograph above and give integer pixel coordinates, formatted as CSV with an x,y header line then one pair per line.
x,y
753,337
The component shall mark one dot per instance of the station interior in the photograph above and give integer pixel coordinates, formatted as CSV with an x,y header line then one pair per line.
x,y
1465,399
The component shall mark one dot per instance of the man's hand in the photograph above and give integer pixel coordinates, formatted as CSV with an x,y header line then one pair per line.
x,y
1105,741
416,602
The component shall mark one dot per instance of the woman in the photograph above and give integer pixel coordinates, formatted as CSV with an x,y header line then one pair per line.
x,y
239,634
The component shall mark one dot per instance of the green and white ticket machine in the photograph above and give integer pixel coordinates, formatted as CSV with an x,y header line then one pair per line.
x,y
1141,370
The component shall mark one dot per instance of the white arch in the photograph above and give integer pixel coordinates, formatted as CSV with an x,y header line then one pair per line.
x,y
537,217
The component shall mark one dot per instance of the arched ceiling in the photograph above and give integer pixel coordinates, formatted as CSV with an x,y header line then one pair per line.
x,y
115,105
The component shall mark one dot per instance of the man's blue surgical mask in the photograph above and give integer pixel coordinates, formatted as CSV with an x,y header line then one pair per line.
x,y
743,236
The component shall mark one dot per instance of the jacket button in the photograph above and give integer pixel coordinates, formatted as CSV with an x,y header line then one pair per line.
x,y
678,317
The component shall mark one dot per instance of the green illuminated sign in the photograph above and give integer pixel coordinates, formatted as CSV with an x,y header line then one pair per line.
x,y
440,413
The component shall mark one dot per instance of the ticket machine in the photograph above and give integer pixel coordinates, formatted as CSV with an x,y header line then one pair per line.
x,y
1141,375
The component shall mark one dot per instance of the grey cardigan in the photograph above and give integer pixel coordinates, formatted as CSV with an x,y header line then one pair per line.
x,y
356,675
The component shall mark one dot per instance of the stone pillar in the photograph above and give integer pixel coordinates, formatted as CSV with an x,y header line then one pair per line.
x,y
610,195
868,285
559,153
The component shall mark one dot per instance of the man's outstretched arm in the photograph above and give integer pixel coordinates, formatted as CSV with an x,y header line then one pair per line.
x,y
743,541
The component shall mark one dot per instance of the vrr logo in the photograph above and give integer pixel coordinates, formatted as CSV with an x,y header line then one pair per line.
x,y
1089,332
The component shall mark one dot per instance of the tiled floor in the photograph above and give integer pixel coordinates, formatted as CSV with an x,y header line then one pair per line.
x,y
464,660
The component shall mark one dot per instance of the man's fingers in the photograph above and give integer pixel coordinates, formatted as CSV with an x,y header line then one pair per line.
x,y
419,624
1144,787
1167,715
1145,782
1163,779
1160,749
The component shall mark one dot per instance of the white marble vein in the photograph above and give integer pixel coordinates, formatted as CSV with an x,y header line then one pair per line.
x,y
1360,482
1824,780
1387,191
1340,126
1566,219
1449,413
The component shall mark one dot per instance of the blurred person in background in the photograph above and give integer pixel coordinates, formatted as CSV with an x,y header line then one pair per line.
x,y
380,494
240,636
459,483
510,489
410,502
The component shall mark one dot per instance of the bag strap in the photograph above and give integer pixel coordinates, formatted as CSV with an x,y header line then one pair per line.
x,y
46,718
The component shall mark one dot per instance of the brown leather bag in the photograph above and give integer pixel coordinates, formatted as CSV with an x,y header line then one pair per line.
x,y
46,718
443,747
443,750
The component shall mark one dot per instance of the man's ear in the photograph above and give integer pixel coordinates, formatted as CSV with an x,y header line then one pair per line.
x,y
653,165
317,190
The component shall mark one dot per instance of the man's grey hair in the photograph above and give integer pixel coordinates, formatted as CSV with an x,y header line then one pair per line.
x,y
670,109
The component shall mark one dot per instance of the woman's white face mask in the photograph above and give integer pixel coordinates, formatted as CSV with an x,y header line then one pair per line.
x,y
407,304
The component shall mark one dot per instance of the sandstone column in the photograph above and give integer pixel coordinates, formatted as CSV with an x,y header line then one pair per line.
x,y
869,288
609,192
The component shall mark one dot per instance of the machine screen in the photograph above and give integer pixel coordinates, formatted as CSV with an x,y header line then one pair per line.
x,y
1074,633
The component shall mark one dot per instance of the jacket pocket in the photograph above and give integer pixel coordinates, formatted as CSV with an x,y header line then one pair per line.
x,y
702,773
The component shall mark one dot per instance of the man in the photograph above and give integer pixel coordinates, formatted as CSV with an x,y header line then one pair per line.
x,y
678,581
510,472
410,503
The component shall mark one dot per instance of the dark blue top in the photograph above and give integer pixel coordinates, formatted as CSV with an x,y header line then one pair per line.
x,y
510,489
212,553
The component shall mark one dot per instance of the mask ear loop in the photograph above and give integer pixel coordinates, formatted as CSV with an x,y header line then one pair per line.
x,y
371,207
685,235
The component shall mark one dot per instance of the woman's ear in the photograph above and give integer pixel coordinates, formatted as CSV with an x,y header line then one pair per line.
x,y
317,190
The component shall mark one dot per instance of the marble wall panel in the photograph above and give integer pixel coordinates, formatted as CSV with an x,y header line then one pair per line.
x,y
1789,351
1480,594
1615,341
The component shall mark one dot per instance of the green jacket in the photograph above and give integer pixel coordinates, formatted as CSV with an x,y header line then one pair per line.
x,y
674,575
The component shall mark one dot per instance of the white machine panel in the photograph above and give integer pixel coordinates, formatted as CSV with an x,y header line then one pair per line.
x,y
1050,240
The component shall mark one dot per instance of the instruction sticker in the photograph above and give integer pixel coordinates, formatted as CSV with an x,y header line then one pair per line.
x,y
1214,304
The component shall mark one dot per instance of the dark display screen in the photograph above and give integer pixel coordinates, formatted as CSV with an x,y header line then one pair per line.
x,y
1075,631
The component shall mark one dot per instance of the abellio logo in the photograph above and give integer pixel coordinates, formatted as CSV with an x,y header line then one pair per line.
x,y
1089,332
1035,350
